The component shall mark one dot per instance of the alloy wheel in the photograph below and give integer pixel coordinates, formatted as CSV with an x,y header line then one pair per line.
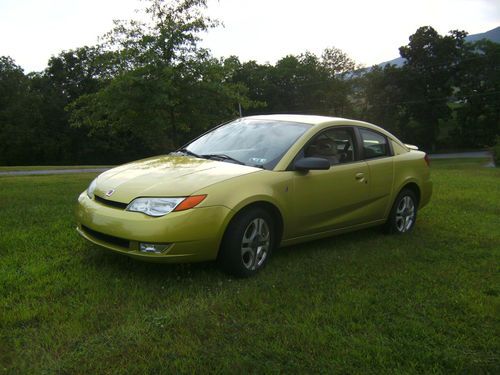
x,y
405,214
255,244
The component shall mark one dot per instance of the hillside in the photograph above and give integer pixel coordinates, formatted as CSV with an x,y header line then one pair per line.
x,y
493,35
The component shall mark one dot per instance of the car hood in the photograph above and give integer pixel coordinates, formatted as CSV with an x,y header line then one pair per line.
x,y
165,176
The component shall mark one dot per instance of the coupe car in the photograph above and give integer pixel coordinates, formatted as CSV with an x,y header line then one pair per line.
x,y
244,188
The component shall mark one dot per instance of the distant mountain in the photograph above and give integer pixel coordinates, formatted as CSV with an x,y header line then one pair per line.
x,y
493,35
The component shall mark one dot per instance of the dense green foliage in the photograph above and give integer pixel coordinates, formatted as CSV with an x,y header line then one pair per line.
x,y
445,96
496,152
359,303
148,87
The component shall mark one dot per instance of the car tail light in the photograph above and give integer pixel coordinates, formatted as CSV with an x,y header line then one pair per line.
x,y
427,160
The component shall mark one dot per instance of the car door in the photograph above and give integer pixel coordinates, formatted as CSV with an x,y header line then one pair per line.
x,y
379,156
335,198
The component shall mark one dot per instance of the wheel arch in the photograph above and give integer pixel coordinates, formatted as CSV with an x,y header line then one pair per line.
x,y
413,186
415,189
270,207
410,184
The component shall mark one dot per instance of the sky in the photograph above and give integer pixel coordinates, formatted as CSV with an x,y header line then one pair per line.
x,y
31,31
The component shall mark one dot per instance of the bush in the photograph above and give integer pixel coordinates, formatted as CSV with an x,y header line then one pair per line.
x,y
496,152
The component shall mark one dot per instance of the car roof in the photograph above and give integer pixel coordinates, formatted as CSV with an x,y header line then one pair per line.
x,y
304,119
324,121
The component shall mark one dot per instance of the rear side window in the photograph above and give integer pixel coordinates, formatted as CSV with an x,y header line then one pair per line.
x,y
374,144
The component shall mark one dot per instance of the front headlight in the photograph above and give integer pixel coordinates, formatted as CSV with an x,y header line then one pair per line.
x,y
154,206
91,188
162,206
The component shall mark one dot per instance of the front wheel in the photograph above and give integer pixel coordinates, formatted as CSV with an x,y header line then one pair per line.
x,y
403,213
248,242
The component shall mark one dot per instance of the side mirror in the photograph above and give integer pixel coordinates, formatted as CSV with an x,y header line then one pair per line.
x,y
307,164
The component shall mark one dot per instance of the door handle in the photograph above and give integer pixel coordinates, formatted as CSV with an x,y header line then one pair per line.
x,y
359,176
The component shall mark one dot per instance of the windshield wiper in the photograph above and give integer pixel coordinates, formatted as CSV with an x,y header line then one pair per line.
x,y
222,157
185,151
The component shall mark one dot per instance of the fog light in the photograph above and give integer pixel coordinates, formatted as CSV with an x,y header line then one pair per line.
x,y
152,248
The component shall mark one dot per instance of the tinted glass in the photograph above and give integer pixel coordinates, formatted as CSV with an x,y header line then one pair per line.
x,y
374,144
253,142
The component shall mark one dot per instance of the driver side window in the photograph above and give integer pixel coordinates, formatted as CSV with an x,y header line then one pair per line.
x,y
335,145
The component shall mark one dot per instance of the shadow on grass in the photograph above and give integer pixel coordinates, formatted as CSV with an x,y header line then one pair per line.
x,y
106,261
339,242
102,260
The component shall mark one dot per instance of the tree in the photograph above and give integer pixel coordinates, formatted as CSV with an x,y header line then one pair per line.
x,y
254,81
21,122
478,112
298,84
337,62
166,88
383,103
431,64
168,37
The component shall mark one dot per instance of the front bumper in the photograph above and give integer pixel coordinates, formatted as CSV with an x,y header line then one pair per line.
x,y
192,235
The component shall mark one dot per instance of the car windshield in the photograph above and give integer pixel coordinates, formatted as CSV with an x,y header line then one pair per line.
x,y
259,143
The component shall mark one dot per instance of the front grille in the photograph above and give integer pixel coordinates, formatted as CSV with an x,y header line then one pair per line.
x,y
106,237
109,203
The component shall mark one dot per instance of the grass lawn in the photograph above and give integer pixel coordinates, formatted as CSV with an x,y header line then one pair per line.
x,y
365,302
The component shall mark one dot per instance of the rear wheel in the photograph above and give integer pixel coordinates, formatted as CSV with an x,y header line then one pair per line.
x,y
248,242
403,213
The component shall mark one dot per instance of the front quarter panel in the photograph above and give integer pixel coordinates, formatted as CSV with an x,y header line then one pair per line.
x,y
263,186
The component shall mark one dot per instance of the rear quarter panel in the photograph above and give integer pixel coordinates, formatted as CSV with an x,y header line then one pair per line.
x,y
411,167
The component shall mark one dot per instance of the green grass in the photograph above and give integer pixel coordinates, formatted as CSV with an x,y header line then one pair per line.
x,y
359,303
48,167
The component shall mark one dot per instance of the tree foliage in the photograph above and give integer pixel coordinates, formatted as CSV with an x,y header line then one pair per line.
x,y
304,83
336,62
148,87
165,88
430,68
19,114
383,98
478,115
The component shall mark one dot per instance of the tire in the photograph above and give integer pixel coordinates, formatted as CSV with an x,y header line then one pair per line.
x,y
403,213
248,242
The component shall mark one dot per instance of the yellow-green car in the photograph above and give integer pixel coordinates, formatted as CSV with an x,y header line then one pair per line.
x,y
240,190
